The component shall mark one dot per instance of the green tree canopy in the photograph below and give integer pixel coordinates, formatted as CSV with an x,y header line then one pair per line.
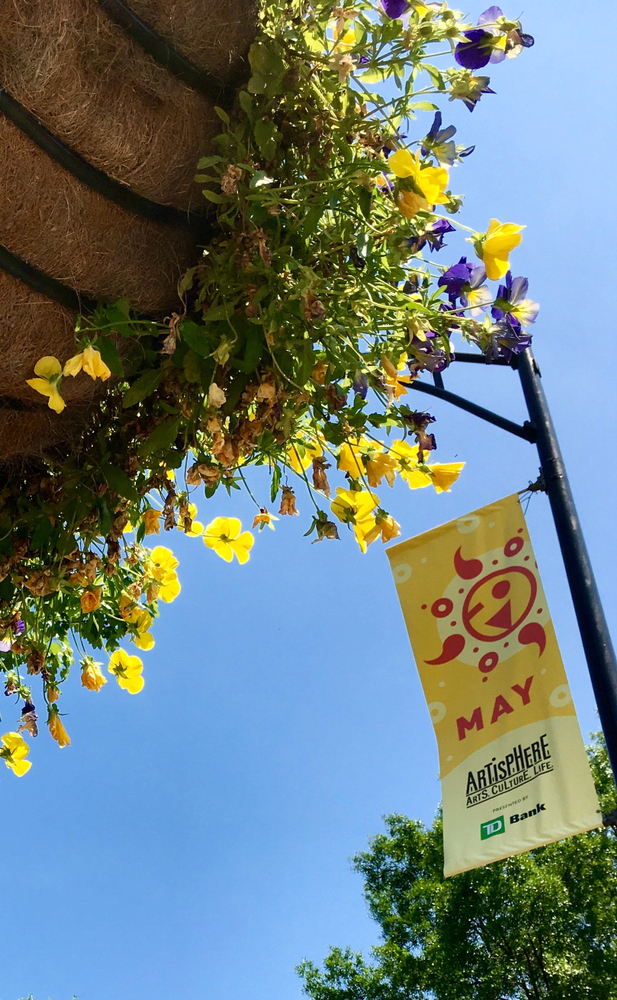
x,y
539,926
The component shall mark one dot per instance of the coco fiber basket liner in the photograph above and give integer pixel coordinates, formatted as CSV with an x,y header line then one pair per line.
x,y
105,111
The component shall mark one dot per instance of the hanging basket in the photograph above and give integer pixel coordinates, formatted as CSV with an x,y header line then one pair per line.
x,y
105,111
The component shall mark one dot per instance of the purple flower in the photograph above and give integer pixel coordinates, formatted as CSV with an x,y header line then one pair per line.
x,y
512,304
394,8
506,341
437,142
490,15
465,281
433,236
477,50
387,148
20,627
360,384
472,90
456,278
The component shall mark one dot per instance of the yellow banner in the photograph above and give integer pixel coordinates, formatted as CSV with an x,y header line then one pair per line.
x,y
514,771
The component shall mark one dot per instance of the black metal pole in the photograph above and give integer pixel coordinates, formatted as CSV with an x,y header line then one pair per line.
x,y
592,624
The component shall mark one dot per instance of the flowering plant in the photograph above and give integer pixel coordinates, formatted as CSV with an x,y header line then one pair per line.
x,y
317,302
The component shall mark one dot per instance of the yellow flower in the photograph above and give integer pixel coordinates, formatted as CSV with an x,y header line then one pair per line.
x,y
369,528
350,457
161,567
56,728
264,518
49,371
90,361
90,600
225,536
91,675
52,694
14,749
162,562
301,453
444,475
353,506
494,248
345,40
169,588
140,618
151,519
127,671
439,475
379,465
389,528
395,388
430,183
145,641
367,457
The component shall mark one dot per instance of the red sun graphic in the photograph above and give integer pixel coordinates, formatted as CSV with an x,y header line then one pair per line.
x,y
492,598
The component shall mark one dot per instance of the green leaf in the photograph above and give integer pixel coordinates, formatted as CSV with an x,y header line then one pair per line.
x,y
260,179
143,387
41,533
246,102
208,161
192,370
311,220
119,482
110,355
267,137
218,199
217,313
257,84
424,106
162,437
222,114
195,336
275,482
365,199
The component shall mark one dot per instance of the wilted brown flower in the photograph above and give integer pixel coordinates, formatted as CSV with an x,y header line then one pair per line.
x,y
325,529
319,372
28,720
35,661
320,480
288,501
216,396
229,180
152,521
169,510
193,477
172,338
266,392
312,307
335,396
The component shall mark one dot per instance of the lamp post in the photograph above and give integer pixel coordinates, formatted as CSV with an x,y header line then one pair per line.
x,y
539,430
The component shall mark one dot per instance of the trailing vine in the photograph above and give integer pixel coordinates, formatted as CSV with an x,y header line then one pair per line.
x,y
318,302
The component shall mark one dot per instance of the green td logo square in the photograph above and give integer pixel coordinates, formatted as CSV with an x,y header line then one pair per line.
x,y
492,828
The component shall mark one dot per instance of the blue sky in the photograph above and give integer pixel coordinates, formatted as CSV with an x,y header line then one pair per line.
x,y
194,841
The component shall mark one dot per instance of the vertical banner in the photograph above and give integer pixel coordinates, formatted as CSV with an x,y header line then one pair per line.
x,y
514,771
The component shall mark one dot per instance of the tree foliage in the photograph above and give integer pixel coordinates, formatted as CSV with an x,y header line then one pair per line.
x,y
538,926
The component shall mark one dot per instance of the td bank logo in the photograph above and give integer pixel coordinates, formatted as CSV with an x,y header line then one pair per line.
x,y
492,828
